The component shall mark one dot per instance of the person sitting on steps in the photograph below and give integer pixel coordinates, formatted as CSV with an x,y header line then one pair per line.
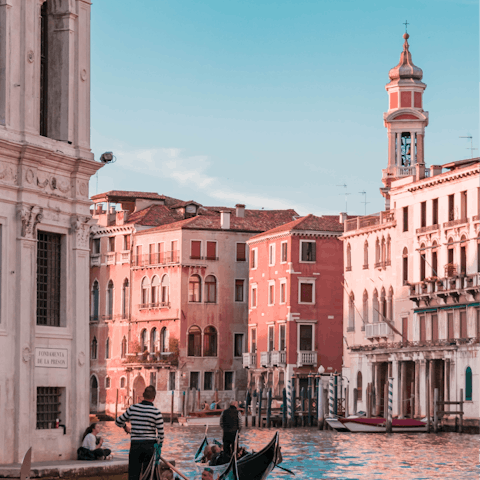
x,y
92,444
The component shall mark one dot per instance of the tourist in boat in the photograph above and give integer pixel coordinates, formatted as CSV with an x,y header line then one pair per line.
x,y
207,474
146,429
231,423
206,406
207,454
166,475
92,444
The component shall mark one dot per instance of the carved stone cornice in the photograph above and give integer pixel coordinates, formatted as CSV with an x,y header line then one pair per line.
x,y
80,227
30,217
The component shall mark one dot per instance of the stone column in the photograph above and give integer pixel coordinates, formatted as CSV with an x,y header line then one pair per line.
x,y
420,148
432,385
395,375
403,389
378,389
447,382
417,389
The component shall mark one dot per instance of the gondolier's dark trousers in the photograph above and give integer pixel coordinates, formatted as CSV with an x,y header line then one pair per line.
x,y
141,452
228,442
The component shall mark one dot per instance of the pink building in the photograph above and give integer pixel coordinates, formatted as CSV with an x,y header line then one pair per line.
x,y
295,305
169,298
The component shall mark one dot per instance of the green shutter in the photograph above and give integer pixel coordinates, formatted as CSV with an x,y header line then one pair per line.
x,y
468,384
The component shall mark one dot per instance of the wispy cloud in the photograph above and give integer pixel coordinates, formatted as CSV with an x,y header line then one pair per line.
x,y
193,172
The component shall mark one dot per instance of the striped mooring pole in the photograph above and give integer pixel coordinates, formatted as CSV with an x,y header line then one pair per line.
x,y
390,405
289,402
331,396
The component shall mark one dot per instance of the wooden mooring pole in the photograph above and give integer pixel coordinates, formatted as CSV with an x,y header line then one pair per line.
x,y
320,404
269,406
435,410
284,409
171,409
247,404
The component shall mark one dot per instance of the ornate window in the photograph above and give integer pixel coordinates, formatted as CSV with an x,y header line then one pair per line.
x,y
164,340
107,348
377,253
194,289
375,311
144,292
110,299
143,340
210,342
94,349
388,259
194,342
405,265
155,291
95,301
365,309
165,290
125,298
383,305
153,339
210,289
123,351
423,262
351,312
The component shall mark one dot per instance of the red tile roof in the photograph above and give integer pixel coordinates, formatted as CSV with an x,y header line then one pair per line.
x,y
128,194
154,215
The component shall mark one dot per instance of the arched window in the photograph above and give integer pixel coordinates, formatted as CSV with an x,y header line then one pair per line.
x,y
210,342
94,349
153,340
143,340
434,259
110,299
210,289
107,348
463,255
365,308
389,313
384,255
405,265
349,258
165,290
468,384
123,382
375,311
107,382
194,289
155,296
95,301
383,305
144,292
377,253
125,298
422,261
164,340
450,268
389,251
123,352
359,385
194,342
351,312
365,254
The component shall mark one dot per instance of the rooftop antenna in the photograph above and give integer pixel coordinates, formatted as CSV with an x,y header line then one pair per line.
x,y
364,200
471,145
346,195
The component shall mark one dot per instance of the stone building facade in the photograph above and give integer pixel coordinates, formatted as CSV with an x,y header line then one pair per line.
x,y
411,305
169,288
45,167
295,308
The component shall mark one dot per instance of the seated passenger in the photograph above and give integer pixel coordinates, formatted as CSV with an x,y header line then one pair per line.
x,y
91,448
207,454
206,406
207,474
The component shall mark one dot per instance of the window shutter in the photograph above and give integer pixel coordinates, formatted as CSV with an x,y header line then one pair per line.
x,y
211,250
241,247
195,253
306,292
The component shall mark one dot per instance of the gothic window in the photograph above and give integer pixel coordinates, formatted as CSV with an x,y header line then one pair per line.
x,y
463,255
405,265
144,292
389,313
107,348
95,300
194,289
365,308
389,251
349,257
210,289
383,305
164,340
351,312
377,252
155,300
365,254
110,299
406,149
165,290
123,351
210,342
434,259
143,340
94,349
107,382
194,342
423,263
125,298
383,252
153,340
375,312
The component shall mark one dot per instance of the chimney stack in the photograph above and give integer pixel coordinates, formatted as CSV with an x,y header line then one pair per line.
x,y
240,210
435,170
343,217
225,220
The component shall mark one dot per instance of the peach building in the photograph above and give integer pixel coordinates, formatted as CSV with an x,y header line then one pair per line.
x,y
295,302
411,304
169,288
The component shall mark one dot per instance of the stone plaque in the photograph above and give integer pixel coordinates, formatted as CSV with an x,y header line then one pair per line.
x,y
51,357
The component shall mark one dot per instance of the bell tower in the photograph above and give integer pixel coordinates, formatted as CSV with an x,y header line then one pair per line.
x,y
405,121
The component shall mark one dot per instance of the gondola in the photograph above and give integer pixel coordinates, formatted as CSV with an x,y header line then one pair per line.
x,y
253,466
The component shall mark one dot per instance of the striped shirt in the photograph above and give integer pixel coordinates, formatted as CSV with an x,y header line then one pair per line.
x,y
146,421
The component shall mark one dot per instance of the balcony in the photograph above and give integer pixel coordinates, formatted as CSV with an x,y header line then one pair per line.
x,y
430,228
264,359
306,358
110,258
125,257
278,359
385,218
377,330
249,360
163,258
454,223
95,260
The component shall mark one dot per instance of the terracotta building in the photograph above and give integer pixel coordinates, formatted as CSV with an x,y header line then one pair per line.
x,y
411,306
295,302
169,288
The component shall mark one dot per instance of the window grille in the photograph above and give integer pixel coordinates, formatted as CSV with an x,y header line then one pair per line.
x,y
48,278
48,406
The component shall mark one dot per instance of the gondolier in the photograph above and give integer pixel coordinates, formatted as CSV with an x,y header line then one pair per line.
x,y
146,429
231,423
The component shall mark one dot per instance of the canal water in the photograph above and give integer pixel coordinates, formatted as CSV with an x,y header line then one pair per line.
x,y
313,454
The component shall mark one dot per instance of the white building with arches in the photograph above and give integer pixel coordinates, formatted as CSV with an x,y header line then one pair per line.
x,y
412,282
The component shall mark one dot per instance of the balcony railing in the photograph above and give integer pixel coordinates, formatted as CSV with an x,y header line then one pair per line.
x,y
249,360
278,358
125,257
429,228
377,330
95,260
157,258
454,223
382,218
110,258
306,358
264,359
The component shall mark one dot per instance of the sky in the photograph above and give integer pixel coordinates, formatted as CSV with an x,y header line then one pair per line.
x,y
275,104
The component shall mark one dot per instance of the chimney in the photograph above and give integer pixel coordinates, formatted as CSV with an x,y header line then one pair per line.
x,y
435,170
240,210
225,220
343,217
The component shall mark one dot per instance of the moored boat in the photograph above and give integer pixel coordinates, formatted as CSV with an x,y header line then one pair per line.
x,y
379,425
203,417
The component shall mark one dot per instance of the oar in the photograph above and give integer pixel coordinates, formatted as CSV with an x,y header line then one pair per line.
x,y
169,465
286,469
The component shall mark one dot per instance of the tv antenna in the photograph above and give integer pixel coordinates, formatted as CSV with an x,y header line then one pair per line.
x,y
471,145
364,200
346,196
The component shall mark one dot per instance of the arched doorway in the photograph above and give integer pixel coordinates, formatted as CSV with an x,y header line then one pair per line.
x,y
93,394
138,389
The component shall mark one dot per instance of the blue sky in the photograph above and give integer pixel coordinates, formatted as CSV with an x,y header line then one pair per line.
x,y
272,103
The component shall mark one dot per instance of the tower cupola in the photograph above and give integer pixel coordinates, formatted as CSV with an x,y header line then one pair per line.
x,y
405,121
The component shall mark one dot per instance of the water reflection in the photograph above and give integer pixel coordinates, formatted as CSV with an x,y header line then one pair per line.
x,y
314,454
